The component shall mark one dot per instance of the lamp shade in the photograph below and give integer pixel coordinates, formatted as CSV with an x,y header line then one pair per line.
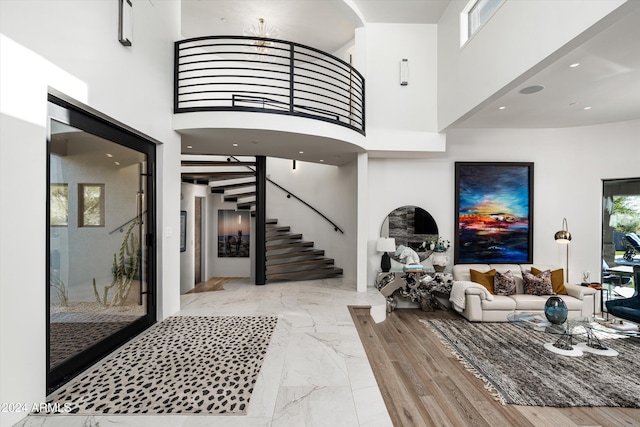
x,y
386,244
563,236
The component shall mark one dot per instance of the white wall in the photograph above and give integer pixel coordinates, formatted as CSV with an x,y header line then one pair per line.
x,y
400,116
520,35
569,165
73,47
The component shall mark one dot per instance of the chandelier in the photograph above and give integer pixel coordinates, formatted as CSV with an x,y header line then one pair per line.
x,y
264,31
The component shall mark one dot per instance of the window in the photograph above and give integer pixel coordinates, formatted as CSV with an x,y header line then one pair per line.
x,y
475,15
59,206
91,205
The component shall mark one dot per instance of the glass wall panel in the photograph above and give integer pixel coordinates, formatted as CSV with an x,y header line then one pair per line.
x,y
99,276
620,237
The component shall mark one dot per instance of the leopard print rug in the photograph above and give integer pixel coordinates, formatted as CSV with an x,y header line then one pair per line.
x,y
183,365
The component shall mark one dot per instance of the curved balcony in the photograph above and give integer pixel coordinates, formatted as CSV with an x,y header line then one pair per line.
x,y
236,73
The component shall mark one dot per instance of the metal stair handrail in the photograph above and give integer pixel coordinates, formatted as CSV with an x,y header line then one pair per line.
x,y
290,194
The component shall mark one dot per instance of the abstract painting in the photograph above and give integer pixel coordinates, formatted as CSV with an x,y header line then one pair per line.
x,y
494,213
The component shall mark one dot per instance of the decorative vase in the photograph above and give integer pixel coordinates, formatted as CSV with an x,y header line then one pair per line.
x,y
385,262
439,261
556,310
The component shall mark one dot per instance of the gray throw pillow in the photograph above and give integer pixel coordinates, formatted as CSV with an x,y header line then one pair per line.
x,y
504,283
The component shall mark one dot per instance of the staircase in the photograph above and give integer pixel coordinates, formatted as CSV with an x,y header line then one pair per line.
x,y
288,256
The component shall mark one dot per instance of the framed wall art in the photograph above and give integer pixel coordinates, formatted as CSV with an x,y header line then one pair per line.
x,y
494,212
233,233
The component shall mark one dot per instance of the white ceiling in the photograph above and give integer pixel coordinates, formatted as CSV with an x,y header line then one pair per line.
x,y
607,80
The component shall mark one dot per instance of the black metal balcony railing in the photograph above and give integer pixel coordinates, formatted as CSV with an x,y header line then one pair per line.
x,y
236,73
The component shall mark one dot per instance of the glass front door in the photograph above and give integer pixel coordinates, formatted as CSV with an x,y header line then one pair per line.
x,y
100,240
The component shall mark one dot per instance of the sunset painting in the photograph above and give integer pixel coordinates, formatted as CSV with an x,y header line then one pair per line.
x,y
494,212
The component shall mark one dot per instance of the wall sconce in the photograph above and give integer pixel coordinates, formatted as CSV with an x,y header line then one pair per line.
x,y
404,72
125,22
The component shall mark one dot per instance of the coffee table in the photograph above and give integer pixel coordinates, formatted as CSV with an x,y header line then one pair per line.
x,y
564,344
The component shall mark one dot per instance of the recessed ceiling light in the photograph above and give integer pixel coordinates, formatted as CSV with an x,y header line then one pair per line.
x,y
235,145
587,108
301,152
189,146
502,108
109,155
117,163
531,89
321,160
574,65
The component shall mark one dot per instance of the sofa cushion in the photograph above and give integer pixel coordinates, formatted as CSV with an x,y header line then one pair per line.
x,y
528,302
499,302
557,280
515,270
504,283
539,284
485,279
462,271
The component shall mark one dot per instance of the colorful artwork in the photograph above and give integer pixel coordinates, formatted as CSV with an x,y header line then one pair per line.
x,y
233,233
494,212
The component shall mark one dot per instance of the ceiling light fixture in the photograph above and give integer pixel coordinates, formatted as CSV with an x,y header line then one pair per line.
x,y
531,89
189,146
235,145
262,30
301,152
109,155
574,65
502,108
587,108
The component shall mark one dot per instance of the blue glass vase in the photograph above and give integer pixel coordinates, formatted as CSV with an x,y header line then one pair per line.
x,y
556,310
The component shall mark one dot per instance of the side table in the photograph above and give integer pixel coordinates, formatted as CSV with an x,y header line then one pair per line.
x,y
423,288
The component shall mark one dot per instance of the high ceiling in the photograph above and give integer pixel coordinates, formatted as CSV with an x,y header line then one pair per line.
x,y
607,79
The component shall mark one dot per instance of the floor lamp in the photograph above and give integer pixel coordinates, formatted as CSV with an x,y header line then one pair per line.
x,y
564,237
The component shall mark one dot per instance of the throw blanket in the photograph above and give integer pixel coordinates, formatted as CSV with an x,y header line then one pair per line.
x,y
458,297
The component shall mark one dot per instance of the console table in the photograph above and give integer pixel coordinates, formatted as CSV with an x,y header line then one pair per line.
x,y
421,287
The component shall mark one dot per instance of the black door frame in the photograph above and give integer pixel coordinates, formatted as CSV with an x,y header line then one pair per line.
x,y
82,117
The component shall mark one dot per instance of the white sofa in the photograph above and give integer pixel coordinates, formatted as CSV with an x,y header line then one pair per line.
x,y
480,306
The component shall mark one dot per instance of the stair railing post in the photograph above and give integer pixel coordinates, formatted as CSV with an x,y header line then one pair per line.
x,y
261,220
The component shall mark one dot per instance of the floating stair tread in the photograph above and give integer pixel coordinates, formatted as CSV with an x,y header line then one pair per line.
x,y
271,221
321,272
290,245
298,264
307,253
277,237
278,229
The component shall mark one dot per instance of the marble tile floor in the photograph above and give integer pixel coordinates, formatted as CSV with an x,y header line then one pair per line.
x,y
316,371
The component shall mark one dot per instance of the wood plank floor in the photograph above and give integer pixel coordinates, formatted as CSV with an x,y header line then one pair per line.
x,y
423,384
212,285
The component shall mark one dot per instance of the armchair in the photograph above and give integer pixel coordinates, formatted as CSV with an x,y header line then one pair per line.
x,y
627,308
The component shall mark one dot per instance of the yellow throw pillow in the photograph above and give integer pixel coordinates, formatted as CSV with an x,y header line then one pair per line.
x,y
557,280
485,279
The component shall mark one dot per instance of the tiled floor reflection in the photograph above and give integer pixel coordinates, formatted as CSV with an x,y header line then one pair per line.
x,y
316,372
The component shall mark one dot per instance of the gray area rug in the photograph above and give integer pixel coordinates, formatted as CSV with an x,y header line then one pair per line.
x,y
517,369
183,365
